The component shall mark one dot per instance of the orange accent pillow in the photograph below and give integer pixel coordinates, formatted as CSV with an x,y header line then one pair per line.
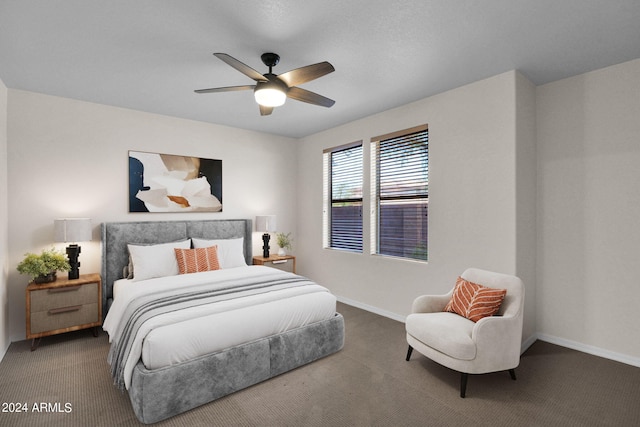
x,y
196,260
474,301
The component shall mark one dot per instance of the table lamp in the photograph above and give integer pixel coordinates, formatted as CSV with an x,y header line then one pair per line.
x,y
72,230
267,224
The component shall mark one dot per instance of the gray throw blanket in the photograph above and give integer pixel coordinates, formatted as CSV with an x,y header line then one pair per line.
x,y
149,306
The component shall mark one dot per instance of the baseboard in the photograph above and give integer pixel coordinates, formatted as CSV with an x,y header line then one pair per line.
x,y
372,309
589,349
596,351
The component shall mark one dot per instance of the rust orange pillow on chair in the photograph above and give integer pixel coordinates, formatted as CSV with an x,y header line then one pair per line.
x,y
197,260
474,301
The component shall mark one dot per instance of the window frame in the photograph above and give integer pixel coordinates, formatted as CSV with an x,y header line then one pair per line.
x,y
376,201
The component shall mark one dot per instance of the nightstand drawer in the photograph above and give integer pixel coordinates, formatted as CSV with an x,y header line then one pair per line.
x,y
282,264
64,317
47,299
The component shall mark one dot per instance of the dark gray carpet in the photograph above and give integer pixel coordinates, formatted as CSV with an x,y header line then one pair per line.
x,y
368,383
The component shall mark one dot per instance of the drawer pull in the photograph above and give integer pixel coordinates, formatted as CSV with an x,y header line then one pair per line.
x,y
284,261
67,289
65,309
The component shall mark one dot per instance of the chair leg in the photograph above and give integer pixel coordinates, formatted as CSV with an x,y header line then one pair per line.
x,y
463,381
409,351
463,384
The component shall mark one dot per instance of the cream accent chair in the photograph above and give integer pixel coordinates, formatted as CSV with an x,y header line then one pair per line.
x,y
490,345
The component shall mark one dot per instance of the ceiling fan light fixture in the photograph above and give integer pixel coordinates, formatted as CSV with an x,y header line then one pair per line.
x,y
269,94
270,97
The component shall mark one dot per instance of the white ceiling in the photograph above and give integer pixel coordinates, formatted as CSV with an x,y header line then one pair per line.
x,y
150,55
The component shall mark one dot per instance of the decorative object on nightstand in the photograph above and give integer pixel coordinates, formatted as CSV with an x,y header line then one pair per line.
x,y
266,224
285,263
63,306
284,241
72,230
42,268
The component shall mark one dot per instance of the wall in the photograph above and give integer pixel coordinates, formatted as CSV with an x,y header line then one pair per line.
x,y
4,240
69,158
588,208
473,216
526,174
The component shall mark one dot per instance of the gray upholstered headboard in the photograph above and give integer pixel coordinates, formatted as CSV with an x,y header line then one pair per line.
x,y
116,236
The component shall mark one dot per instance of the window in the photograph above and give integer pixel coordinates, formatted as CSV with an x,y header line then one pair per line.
x,y
400,193
343,198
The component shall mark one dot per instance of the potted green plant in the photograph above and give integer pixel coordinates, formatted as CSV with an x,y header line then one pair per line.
x,y
42,268
284,241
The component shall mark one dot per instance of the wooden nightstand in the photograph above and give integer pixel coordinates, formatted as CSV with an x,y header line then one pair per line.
x,y
63,306
281,262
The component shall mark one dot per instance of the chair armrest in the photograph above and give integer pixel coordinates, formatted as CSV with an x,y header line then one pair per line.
x,y
503,332
430,303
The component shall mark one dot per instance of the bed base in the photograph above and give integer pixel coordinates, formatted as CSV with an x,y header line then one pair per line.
x,y
162,393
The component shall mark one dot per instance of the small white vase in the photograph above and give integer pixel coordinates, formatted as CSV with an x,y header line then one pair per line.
x,y
282,252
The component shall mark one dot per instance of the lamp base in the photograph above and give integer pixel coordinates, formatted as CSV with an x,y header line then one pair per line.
x,y
72,253
265,248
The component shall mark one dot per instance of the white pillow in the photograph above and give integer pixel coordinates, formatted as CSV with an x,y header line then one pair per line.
x,y
151,261
230,251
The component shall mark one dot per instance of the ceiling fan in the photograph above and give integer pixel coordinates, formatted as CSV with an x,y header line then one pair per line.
x,y
271,90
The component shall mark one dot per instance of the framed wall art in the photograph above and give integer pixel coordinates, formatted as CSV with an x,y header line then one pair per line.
x,y
172,183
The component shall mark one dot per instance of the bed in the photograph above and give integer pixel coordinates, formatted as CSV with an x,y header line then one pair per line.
x,y
225,338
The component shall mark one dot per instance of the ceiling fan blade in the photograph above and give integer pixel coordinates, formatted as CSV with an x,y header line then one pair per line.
x,y
265,111
225,89
309,97
306,74
243,68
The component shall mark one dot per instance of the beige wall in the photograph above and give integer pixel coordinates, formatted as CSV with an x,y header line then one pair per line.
x,y
525,177
473,205
588,211
70,158
4,239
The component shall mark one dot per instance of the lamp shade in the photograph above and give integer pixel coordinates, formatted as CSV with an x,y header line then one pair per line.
x,y
72,230
266,223
270,94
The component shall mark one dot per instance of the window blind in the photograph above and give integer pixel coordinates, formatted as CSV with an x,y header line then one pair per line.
x,y
344,219
401,193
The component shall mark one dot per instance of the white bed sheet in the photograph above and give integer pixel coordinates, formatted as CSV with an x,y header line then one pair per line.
x,y
232,323
120,284
186,340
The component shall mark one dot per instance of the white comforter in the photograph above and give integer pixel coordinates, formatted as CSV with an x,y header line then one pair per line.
x,y
184,334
